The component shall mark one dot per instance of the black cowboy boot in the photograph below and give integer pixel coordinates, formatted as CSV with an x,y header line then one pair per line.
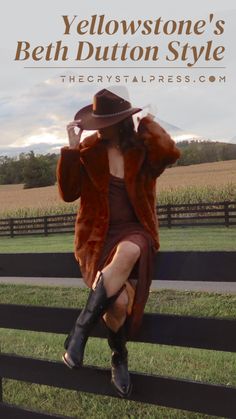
x,y
120,377
96,305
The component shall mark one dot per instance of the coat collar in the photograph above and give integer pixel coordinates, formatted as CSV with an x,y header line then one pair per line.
x,y
95,159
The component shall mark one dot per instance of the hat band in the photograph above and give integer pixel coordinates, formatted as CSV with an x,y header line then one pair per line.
x,y
110,114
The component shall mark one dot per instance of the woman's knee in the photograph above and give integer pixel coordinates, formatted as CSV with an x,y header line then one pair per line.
x,y
129,251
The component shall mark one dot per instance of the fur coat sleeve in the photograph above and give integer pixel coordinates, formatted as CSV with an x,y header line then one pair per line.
x,y
161,150
69,174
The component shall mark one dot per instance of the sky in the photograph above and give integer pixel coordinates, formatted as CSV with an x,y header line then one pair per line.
x,y
36,105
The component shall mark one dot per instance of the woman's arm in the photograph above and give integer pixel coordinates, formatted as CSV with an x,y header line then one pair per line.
x,y
69,167
161,149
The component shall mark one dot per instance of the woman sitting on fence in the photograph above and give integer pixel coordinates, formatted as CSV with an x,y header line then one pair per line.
x,y
114,173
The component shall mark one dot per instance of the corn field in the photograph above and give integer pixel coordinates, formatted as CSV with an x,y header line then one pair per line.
x,y
207,182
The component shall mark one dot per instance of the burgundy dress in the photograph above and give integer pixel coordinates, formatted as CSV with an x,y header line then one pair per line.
x,y
124,225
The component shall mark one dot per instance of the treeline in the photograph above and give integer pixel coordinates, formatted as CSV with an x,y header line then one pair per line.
x,y
33,171
195,152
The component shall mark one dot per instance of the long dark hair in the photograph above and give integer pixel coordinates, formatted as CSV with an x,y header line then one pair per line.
x,y
127,134
128,137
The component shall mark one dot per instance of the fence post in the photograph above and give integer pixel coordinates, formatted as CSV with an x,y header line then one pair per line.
x,y
11,223
226,208
1,390
45,219
169,215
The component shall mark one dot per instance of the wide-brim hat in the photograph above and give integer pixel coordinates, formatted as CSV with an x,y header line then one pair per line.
x,y
108,108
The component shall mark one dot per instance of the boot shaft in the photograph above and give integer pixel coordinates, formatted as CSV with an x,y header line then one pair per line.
x,y
96,305
117,343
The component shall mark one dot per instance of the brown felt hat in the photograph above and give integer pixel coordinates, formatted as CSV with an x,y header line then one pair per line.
x,y
107,109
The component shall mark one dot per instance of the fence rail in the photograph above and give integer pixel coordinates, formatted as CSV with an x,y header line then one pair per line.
x,y
185,331
179,215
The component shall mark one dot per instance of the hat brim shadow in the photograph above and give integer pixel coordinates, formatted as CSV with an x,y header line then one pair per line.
x,y
87,121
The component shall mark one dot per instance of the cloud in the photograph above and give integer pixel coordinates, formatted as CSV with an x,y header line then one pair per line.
x,y
42,111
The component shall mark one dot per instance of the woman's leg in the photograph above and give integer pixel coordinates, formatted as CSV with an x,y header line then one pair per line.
x,y
115,275
97,303
115,316
103,293
117,271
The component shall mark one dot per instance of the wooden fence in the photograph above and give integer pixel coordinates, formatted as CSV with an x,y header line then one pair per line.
x,y
179,215
184,331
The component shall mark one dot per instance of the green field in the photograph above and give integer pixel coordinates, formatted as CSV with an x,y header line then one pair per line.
x,y
188,238
196,364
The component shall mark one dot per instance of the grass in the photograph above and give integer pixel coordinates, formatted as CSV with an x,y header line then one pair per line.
x,y
37,244
163,301
188,238
196,364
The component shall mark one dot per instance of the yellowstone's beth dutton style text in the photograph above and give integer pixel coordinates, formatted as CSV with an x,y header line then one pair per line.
x,y
98,29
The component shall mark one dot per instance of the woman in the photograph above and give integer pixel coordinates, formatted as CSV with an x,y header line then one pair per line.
x,y
114,173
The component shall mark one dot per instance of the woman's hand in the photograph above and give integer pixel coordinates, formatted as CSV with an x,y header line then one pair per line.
x,y
74,133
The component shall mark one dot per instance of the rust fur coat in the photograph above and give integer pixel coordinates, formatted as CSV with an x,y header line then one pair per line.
x,y
84,172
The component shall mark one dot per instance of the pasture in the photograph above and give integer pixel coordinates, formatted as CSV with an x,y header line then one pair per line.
x,y
185,363
181,239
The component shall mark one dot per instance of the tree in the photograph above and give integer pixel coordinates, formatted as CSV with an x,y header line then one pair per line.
x,y
37,172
